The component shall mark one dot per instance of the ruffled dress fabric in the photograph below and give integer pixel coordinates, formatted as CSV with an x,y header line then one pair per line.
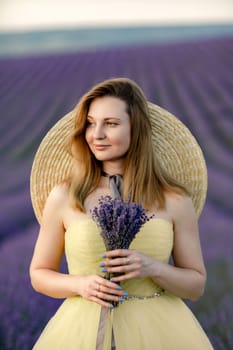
x,y
162,323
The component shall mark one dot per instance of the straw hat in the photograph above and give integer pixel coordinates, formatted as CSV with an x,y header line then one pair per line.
x,y
177,150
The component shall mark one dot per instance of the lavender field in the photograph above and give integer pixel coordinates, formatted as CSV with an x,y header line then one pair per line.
x,y
193,80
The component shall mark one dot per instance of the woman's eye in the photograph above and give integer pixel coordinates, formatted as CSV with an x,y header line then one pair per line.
x,y
89,123
111,124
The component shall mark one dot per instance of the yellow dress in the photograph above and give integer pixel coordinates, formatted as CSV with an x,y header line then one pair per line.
x,y
160,323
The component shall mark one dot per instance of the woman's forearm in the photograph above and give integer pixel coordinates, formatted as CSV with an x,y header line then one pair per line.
x,y
53,283
91,287
182,282
187,283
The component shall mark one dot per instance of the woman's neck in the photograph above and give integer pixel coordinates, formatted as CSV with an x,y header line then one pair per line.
x,y
113,168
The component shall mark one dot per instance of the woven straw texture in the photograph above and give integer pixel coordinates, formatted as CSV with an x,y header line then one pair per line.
x,y
177,150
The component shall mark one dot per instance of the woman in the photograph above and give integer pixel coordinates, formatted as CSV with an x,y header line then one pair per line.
x,y
113,134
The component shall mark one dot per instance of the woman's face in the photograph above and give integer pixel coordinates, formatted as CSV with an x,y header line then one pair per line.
x,y
108,128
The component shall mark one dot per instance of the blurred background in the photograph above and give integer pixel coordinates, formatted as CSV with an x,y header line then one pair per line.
x,y
181,54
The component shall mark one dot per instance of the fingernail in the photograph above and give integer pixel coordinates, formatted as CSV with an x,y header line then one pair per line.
x,y
101,264
118,287
125,294
103,255
104,270
111,306
121,300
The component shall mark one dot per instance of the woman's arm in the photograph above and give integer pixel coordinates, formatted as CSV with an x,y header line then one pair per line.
x,y
49,249
48,252
187,277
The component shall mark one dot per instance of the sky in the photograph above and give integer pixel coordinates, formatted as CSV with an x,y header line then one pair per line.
x,y
26,15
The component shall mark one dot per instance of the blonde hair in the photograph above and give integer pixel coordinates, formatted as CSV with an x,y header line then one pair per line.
x,y
144,179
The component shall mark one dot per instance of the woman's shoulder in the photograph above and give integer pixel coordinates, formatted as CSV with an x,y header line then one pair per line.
x,y
59,195
55,206
179,205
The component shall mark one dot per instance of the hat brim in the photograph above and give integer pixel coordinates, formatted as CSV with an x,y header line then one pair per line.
x,y
177,150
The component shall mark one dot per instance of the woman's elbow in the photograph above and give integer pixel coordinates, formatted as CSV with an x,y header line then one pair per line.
x,y
34,280
199,287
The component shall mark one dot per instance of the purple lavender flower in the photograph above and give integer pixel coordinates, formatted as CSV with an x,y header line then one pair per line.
x,y
119,221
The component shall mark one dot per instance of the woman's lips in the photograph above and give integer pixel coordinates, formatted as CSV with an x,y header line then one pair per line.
x,y
101,147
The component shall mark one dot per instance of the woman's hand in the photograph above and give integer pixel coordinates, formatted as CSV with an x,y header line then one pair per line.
x,y
101,291
128,263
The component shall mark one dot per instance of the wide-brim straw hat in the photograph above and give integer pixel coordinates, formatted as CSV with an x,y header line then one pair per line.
x,y
176,148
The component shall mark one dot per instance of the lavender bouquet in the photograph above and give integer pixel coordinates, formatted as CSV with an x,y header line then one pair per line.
x,y
119,222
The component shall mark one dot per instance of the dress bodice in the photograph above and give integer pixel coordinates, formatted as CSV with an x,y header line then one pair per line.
x,y
84,247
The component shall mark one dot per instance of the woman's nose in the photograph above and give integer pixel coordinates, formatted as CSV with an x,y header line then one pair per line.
x,y
99,132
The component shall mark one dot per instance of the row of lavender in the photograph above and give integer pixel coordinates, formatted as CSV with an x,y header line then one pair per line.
x,y
192,80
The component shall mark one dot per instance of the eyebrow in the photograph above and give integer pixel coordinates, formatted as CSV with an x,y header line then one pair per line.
x,y
90,117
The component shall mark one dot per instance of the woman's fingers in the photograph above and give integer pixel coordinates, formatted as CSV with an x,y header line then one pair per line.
x,y
102,291
108,284
123,268
126,276
127,264
117,261
116,292
101,302
117,253
105,296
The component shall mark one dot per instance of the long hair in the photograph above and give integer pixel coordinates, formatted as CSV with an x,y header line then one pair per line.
x,y
145,181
